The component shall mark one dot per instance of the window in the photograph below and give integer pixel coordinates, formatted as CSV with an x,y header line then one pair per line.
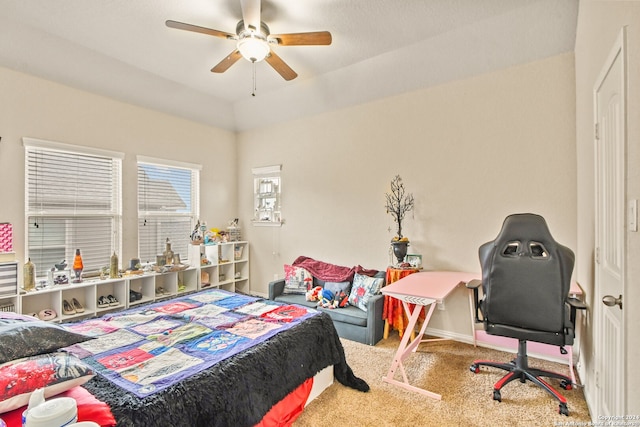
x,y
267,186
168,206
73,201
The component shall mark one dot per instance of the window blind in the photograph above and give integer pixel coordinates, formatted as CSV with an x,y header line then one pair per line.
x,y
168,206
73,200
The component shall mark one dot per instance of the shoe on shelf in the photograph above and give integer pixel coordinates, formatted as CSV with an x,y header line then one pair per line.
x,y
137,295
77,306
112,300
103,302
132,297
160,291
67,308
47,314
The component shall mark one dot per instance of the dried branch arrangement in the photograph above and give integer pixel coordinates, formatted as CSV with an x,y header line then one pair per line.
x,y
398,204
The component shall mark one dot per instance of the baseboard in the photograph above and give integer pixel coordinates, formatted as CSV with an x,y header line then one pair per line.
x,y
497,345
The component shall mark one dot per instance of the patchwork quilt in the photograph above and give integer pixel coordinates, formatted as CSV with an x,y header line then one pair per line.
x,y
147,349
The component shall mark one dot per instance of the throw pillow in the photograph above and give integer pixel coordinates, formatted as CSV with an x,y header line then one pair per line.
x,y
55,372
297,280
364,287
337,287
20,338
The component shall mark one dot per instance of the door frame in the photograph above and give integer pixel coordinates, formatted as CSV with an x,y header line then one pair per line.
x,y
617,50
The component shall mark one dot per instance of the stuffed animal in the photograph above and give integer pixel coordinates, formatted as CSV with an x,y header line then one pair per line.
x,y
326,299
314,294
341,300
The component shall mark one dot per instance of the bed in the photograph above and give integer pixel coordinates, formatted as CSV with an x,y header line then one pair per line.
x,y
233,388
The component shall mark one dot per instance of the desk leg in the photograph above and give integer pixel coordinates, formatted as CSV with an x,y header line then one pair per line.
x,y
405,349
385,334
473,317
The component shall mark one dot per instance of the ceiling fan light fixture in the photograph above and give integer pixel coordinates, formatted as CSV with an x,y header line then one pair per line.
x,y
253,48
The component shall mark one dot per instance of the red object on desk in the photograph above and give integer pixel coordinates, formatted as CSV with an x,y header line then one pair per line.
x,y
393,314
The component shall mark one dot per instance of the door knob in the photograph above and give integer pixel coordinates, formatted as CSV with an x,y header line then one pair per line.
x,y
610,301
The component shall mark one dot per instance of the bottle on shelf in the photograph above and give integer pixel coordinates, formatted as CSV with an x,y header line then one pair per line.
x,y
78,266
113,266
29,276
168,253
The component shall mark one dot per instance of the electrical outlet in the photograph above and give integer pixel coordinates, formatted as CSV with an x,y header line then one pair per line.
x,y
440,305
275,276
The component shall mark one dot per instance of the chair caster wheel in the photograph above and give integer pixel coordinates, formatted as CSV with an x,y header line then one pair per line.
x,y
566,385
563,410
474,368
497,396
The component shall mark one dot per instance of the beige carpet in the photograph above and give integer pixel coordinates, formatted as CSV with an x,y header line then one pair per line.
x,y
440,367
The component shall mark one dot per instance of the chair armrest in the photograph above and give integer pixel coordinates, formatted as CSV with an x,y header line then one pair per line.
x,y
276,288
575,304
475,286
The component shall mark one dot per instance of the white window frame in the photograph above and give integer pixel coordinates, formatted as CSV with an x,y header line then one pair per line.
x,y
149,248
47,211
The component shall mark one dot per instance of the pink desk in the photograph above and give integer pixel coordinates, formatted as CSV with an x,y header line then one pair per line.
x,y
422,289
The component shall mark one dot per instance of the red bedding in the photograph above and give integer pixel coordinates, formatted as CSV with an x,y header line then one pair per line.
x,y
282,414
285,412
89,409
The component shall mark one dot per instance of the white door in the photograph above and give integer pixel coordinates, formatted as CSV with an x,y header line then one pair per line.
x,y
610,130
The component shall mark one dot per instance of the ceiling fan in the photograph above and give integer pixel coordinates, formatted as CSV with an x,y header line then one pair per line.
x,y
254,41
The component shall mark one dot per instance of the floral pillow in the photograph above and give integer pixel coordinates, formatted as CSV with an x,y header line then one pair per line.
x,y
297,280
364,287
54,372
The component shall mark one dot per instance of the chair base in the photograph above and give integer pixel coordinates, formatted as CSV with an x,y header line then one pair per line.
x,y
518,369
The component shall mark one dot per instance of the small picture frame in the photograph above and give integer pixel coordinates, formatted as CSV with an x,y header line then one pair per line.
x,y
415,260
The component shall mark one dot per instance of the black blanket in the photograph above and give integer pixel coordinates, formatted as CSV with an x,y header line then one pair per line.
x,y
240,390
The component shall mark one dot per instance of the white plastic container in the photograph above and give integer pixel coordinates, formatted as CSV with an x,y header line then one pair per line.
x,y
57,412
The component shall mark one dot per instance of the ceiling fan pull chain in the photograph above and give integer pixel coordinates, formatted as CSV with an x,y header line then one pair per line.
x,y
253,64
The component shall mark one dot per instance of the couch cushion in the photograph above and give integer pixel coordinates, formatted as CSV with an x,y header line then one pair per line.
x,y
349,315
296,299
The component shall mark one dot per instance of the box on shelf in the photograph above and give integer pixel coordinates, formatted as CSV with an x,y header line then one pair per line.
x,y
234,234
9,279
7,307
59,277
237,252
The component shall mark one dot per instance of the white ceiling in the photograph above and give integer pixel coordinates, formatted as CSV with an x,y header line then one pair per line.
x,y
122,49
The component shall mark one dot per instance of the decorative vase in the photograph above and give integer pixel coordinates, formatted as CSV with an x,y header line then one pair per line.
x,y
168,253
113,266
400,250
29,276
78,266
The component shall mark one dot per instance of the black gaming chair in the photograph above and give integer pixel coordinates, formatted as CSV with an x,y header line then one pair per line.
x,y
526,277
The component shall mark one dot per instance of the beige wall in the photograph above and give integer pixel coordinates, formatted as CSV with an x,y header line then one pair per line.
x,y
599,23
471,152
41,109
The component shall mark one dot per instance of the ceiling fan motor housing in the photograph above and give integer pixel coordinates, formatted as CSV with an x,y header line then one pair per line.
x,y
253,44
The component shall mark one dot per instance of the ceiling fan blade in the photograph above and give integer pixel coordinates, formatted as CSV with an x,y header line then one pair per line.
x,y
251,14
298,39
280,66
227,62
196,29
